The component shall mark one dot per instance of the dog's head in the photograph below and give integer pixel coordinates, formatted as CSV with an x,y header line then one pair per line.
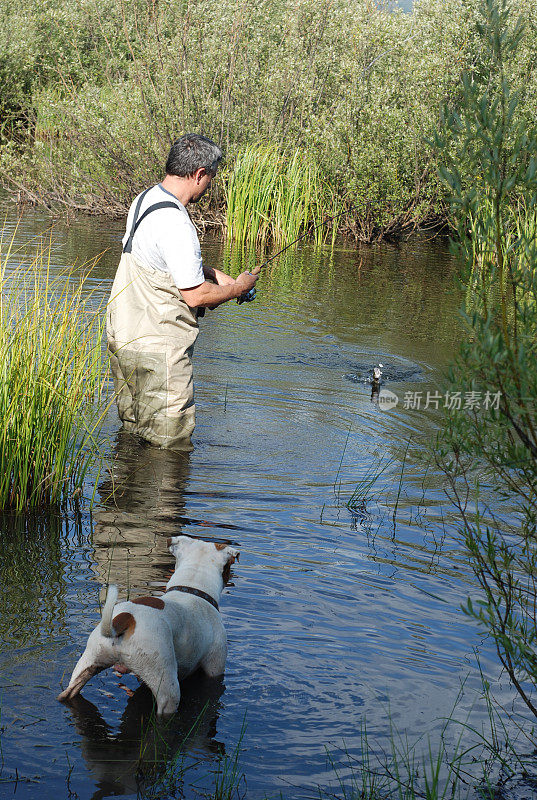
x,y
220,554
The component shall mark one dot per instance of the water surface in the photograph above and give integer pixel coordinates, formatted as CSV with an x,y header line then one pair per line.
x,y
333,616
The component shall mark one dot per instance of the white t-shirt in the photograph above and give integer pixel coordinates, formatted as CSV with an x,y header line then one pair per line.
x,y
166,239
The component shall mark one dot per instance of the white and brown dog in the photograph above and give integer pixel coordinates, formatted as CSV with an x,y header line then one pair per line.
x,y
164,639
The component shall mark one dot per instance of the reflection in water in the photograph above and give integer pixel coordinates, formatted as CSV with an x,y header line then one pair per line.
x,y
142,504
335,609
143,750
32,583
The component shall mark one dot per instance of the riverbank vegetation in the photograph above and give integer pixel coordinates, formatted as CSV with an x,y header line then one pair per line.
x,y
453,760
491,172
98,90
51,382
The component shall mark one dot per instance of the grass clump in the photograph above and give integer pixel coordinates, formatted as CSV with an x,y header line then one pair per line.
x,y
454,759
51,383
271,197
364,490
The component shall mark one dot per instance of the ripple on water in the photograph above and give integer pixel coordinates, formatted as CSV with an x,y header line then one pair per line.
x,y
332,615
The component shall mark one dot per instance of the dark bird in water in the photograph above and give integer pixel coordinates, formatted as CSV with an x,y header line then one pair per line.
x,y
377,375
375,383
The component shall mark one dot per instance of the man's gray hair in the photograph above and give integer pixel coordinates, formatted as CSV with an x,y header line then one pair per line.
x,y
191,152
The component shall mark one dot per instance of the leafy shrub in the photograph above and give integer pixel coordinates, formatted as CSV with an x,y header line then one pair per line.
x,y
355,86
490,166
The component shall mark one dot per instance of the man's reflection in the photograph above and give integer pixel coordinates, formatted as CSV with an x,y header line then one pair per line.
x,y
142,503
145,750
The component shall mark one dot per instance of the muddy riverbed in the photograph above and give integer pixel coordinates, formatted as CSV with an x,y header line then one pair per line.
x,y
334,615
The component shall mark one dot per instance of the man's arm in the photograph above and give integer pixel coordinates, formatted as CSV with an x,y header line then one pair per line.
x,y
217,276
210,294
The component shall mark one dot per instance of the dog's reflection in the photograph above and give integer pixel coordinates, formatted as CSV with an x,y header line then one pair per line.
x,y
145,750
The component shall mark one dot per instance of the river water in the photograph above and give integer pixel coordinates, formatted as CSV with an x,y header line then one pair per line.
x,y
334,615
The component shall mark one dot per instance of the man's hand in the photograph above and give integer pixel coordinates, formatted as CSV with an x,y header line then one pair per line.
x,y
246,280
249,295
209,295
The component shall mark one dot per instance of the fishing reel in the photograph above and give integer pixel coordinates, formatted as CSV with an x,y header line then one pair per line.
x,y
247,297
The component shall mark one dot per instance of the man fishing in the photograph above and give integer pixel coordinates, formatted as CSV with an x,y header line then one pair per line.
x,y
159,286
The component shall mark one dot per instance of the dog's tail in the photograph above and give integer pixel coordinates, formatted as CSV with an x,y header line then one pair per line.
x,y
108,612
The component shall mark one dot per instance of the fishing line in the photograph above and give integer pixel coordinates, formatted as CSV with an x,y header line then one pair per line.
x,y
258,269
249,296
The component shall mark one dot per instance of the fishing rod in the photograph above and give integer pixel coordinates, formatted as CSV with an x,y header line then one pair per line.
x,y
247,297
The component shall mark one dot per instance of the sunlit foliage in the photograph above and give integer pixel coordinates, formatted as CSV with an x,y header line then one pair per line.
x,y
489,153
51,382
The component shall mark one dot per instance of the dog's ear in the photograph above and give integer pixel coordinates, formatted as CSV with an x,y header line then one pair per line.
x,y
229,556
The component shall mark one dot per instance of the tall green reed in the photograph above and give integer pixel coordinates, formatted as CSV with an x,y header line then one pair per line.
x,y
228,775
275,198
51,382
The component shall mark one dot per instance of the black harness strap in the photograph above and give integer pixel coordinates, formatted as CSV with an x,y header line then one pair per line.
x,y
128,245
136,222
196,592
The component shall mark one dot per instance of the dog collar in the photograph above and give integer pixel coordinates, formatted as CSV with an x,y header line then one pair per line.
x,y
195,592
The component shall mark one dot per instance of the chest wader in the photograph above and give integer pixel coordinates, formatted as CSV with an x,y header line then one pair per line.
x,y
151,333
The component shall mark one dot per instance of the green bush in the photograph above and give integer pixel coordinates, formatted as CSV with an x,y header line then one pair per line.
x,y
354,86
17,61
357,87
489,156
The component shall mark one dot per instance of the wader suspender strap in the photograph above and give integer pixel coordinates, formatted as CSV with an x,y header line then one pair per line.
x,y
136,221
